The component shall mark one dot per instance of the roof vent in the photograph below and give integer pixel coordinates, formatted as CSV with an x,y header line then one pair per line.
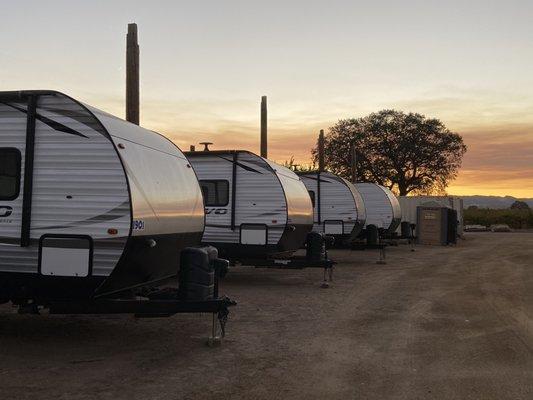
x,y
206,145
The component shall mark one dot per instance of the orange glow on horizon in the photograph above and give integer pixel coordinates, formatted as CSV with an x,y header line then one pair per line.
x,y
205,67
499,160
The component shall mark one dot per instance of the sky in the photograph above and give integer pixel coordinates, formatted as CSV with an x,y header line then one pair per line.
x,y
206,64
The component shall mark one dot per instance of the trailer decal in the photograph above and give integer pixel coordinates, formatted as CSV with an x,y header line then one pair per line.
x,y
138,225
217,211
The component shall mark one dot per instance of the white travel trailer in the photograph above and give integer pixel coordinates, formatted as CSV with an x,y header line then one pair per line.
x,y
339,210
254,207
90,205
382,207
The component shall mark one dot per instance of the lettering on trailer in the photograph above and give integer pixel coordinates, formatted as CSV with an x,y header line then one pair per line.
x,y
216,211
138,225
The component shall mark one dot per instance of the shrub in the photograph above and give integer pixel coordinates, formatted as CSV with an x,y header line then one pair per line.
x,y
515,218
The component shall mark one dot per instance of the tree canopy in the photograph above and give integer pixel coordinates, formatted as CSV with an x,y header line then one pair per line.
x,y
292,165
519,205
406,152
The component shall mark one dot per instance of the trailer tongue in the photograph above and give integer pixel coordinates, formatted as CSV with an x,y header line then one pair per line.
x,y
197,292
152,308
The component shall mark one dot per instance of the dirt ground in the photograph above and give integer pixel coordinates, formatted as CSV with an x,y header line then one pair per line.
x,y
438,323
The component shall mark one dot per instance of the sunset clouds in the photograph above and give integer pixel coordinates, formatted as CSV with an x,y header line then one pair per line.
x,y
496,127
205,65
499,162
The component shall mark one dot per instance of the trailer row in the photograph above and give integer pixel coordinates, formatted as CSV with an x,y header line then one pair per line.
x,y
99,215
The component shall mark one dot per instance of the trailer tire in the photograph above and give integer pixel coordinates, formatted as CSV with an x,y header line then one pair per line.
x,y
196,275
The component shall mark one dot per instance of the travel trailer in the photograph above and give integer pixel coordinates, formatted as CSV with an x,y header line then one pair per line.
x,y
91,207
338,208
254,207
382,207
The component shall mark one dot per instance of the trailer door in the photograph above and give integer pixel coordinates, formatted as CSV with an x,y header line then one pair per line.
x,y
14,130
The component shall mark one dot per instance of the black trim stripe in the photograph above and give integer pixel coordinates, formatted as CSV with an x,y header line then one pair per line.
x,y
57,126
318,200
28,172
80,116
233,190
314,179
245,167
110,215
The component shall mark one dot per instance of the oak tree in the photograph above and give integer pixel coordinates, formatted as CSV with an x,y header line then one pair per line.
x,y
405,152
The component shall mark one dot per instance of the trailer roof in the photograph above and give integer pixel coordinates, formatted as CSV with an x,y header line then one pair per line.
x,y
20,94
208,152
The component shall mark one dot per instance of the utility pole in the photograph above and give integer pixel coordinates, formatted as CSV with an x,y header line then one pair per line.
x,y
132,75
264,130
321,151
353,162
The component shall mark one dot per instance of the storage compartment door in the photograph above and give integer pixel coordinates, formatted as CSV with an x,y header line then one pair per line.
x,y
254,234
332,227
65,256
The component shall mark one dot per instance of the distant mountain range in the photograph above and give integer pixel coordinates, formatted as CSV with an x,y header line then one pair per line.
x,y
492,201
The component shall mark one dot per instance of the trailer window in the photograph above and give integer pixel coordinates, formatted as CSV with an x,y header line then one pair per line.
x,y
9,173
312,195
216,192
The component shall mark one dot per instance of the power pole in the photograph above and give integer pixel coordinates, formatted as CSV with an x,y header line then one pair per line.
x,y
132,75
264,130
321,151
353,163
